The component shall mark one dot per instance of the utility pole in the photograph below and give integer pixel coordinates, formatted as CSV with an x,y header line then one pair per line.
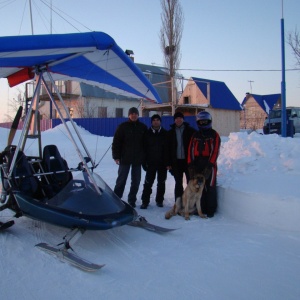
x,y
283,92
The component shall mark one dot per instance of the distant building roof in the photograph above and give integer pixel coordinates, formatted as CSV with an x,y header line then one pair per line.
x,y
220,95
266,102
88,90
159,78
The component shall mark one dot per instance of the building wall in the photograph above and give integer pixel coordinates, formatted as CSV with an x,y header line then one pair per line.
x,y
253,116
90,107
71,103
83,107
225,121
193,93
111,105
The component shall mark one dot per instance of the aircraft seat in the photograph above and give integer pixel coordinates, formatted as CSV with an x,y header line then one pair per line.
x,y
54,163
23,178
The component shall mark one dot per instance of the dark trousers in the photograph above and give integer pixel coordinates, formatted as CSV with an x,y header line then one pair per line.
x,y
209,202
122,178
182,168
161,172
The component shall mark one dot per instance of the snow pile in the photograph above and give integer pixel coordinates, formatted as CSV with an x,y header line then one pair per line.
x,y
256,153
61,130
258,177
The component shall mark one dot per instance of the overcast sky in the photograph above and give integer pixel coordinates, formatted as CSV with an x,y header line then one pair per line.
x,y
221,38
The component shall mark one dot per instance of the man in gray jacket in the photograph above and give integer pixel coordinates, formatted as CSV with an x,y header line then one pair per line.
x,y
179,137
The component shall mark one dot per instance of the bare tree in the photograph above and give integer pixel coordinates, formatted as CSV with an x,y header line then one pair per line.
x,y
170,36
79,107
294,42
85,108
13,104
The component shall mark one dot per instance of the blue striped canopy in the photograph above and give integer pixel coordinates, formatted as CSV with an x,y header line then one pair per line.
x,y
93,58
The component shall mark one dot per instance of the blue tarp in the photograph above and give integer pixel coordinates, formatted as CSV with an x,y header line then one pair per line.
x,y
93,58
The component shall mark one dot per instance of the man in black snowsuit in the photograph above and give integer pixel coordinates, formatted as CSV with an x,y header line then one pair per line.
x,y
128,152
155,143
202,158
178,142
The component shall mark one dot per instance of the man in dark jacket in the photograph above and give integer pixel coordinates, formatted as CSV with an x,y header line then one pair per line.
x,y
155,143
128,152
202,158
178,142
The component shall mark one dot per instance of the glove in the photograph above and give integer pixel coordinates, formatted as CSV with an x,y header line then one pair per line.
x,y
145,167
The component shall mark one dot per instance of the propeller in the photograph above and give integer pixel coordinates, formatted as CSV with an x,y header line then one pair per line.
x,y
4,168
14,126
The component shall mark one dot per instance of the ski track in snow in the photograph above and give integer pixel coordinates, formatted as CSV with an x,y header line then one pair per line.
x,y
139,263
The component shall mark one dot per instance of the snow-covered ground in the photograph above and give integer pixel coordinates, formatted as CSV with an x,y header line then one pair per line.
x,y
249,250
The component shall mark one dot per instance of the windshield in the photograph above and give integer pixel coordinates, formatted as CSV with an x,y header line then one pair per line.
x,y
80,196
275,114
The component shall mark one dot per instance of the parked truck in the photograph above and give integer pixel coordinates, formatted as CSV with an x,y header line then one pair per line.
x,y
272,123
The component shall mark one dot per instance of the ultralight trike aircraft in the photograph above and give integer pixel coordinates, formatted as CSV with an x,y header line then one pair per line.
x,y
42,186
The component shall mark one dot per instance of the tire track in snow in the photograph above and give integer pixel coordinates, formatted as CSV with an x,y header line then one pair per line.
x,y
37,228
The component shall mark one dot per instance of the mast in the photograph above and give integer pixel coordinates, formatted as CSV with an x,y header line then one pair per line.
x,y
31,18
51,17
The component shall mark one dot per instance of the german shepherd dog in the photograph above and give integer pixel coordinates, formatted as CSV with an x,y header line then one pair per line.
x,y
190,200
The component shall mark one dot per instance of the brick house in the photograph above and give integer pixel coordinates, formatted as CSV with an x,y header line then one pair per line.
x,y
256,108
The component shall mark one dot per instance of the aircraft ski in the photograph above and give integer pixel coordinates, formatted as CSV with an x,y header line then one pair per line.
x,y
143,223
64,254
5,225
71,258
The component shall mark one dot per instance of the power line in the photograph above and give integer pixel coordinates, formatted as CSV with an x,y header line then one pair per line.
x,y
236,70
229,70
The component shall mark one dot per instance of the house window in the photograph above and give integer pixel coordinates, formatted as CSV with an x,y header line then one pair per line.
x,y
102,112
71,111
148,75
68,87
56,115
186,100
60,86
119,112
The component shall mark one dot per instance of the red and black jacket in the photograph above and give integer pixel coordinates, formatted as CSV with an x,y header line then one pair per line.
x,y
204,150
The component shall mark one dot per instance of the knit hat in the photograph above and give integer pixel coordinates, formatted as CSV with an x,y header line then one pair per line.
x,y
133,110
178,114
156,116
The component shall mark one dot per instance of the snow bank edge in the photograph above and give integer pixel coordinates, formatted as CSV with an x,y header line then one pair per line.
x,y
260,209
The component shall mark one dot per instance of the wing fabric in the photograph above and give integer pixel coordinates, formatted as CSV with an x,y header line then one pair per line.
x,y
93,58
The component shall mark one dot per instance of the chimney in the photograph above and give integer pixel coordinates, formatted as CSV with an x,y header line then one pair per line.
x,y
130,54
